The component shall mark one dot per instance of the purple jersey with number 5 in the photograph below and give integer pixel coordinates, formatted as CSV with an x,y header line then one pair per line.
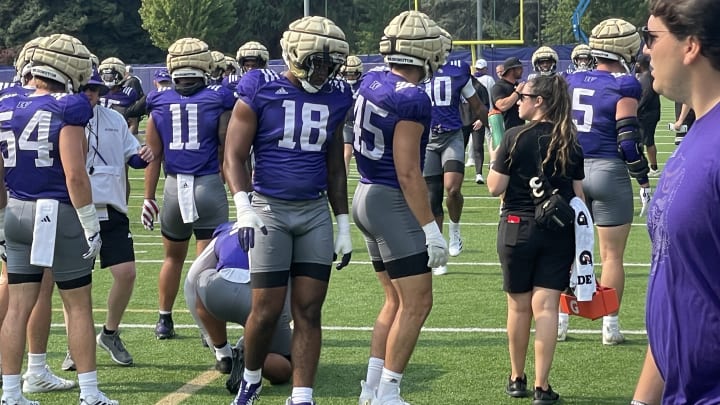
x,y
30,131
188,127
595,95
384,99
294,128
444,91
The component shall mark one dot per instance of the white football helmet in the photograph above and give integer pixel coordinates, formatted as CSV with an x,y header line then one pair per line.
x,y
252,52
189,57
231,65
582,57
22,62
412,38
615,39
112,71
352,69
314,48
545,54
64,59
447,44
219,65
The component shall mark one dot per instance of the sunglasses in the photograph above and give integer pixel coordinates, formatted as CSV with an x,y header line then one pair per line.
x,y
648,36
524,95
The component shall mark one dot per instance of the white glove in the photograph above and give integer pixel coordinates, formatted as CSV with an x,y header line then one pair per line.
x,y
247,221
91,226
150,212
3,256
343,241
436,245
645,196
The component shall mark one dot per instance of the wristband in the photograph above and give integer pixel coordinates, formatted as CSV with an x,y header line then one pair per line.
x,y
343,222
518,93
431,229
88,218
241,200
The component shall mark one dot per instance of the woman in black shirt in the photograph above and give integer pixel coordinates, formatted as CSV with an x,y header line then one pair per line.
x,y
535,261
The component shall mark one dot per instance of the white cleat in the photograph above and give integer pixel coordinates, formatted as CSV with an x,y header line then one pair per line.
x,y
367,395
456,244
439,271
45,382
654,173
97,399
612,335
562,330
479,179
21,400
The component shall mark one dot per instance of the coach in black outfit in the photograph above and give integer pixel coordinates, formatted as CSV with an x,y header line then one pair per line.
x,y
506,92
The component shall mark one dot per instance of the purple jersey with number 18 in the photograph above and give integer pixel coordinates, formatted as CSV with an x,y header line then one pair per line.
x,y
383,100
30,131
188,127
294,128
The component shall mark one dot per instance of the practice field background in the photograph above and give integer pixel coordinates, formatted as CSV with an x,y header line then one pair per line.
x,y
461,357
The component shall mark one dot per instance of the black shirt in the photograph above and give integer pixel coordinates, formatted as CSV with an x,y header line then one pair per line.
x,y
531,147
649,105
503,89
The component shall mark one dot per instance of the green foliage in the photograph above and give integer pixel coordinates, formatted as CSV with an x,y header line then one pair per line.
x,y
169,20
557,28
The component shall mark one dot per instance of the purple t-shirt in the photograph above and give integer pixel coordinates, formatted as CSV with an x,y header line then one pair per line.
x,y
595,95
683,300
120,97
30,130
445,90
384,99
227,249
294,128
188,127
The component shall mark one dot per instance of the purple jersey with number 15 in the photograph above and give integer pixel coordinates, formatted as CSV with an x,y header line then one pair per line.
x,y
294,128
384,99
188,127
595,95
30,130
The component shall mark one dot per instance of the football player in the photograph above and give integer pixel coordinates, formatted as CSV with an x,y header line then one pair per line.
x,y
293,122
391,205
351,72
445,159
120,97
218,72
582,58
51,220
185,132
251,55
605,103
544,61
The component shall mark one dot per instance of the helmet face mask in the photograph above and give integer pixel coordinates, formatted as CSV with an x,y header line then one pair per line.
x,y
545,60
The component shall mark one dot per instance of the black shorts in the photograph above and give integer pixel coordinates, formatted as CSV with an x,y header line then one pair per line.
x,y
647,130
117,242
533,257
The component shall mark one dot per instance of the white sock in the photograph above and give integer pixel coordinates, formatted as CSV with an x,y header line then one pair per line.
x,y
252,376
563,317
161,312
454,226
610,321
88,383
389,384
11,386
301,395
36,363
225,351
374,371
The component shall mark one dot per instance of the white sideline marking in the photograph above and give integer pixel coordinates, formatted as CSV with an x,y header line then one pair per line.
x,y
369,329
191,387
483,264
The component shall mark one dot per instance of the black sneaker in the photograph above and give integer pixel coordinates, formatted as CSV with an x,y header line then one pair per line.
x,y
165,328
238,366
542,397
224,365
517,388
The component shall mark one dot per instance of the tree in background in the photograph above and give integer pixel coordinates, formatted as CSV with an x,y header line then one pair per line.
x,y
170,20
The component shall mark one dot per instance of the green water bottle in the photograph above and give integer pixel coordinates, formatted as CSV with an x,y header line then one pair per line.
x,y
497,126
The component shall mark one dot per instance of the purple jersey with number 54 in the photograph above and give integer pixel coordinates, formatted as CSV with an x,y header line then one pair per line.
x,y
30,132
294,128
595,95
384,99
188,127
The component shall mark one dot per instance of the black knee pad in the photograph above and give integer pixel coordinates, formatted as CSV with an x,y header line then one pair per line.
x,y
454,166
435,192
15,278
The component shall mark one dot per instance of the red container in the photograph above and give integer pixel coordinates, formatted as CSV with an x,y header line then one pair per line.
x,y
604,302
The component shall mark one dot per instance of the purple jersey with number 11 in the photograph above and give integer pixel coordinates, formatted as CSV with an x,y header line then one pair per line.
x,y
294,128
188,127
383,100
31,135
595,95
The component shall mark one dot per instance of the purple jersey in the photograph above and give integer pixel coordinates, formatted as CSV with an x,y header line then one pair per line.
x,y
595,95
230,82
445,90
30,133
188,127
384,99
294,129
16,90
683,300
119,97
227,248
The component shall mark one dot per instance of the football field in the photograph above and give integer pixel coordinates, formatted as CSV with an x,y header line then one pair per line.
x,y
461,357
